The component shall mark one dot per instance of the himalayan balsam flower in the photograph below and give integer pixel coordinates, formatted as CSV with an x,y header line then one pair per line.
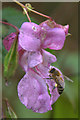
x,y
35,38
32,40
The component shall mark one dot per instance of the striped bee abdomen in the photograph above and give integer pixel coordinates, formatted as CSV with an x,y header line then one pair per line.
x,y
60,88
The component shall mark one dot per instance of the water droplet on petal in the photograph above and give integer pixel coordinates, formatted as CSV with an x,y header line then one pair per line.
x,y
34,28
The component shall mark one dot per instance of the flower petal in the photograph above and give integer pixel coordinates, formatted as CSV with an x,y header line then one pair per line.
x,y
48,25
32,92
54,93
34,58
42,70
55,39
24,60
8,41
66,27
30,59
48,58
29,36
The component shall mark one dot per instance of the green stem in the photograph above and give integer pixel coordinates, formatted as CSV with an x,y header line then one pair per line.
x,y
27,14
24,8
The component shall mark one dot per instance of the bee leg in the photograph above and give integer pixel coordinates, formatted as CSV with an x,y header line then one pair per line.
x,y
50,76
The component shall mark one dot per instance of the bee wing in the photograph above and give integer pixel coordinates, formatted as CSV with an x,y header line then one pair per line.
x,y
67,78
61,82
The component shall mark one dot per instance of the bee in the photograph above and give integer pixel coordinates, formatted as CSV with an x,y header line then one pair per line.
x,y
58,78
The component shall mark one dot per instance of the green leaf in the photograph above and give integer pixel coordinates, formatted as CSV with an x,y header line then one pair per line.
x,y
11,60
8,112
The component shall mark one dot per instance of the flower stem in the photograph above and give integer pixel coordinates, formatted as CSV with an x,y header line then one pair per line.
x,y
39,13
10,25
19,3
24,8
27,14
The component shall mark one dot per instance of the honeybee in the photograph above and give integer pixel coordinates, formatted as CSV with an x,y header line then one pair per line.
x,y
58,77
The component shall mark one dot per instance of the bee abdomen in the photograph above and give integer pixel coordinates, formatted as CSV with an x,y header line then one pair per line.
x,y
60,89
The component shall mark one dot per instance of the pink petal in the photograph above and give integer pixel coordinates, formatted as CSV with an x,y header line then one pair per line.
x,y
29,36
32,92
34,58
66,28
8,41
42,70
48,58
54,93
30,59
48,25
24,60
55,39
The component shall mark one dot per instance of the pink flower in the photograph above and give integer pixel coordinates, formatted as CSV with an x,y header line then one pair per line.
x,y
32,40
35,37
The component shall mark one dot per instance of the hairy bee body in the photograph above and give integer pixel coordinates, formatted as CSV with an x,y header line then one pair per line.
x,y
56,76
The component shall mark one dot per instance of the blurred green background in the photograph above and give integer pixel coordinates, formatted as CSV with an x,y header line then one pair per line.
x,y
67,58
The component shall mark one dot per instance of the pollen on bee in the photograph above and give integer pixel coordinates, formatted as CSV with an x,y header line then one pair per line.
x,y
55,85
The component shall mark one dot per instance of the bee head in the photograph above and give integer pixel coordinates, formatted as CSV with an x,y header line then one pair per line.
x,y
52,70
